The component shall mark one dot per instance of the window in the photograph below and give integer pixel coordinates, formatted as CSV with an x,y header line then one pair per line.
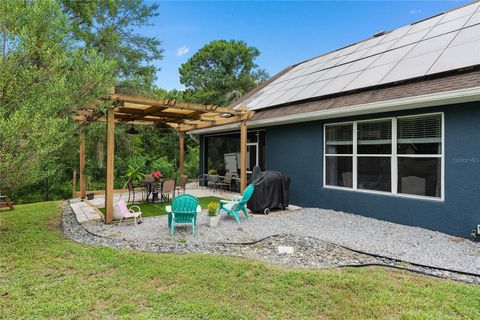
x,y
419,155
400,156
374,149
339,158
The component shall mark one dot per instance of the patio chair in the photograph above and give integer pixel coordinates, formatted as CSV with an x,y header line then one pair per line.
x,y
212,179
182,184
131,191
128,213
225,182
233,207
184,209
168,189
148,178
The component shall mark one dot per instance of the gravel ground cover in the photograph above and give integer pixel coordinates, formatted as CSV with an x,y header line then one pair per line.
x,y
411,244
245,240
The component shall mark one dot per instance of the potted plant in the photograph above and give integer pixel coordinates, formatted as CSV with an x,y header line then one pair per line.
x,y
134,172
213,214
157,175
475,235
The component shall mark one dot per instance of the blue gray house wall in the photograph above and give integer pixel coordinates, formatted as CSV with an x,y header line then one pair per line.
x,y
297,151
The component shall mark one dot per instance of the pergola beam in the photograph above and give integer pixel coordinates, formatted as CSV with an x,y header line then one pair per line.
x,y
172,104
162,117
218,122
81,119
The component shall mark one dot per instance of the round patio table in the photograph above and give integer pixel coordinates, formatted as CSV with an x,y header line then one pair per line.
x,y
152,186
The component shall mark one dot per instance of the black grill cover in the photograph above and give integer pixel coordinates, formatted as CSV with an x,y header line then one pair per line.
x,y
271,190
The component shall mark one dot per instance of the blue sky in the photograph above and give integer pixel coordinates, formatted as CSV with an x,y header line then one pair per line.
x,y
284,32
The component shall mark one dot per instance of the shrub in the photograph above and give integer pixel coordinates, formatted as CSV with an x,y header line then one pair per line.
x,y
212,209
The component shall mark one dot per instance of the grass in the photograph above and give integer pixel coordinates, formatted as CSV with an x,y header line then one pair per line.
x,y
158,209
44,275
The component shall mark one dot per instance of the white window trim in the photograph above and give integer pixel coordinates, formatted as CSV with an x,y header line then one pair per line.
x,y
394,159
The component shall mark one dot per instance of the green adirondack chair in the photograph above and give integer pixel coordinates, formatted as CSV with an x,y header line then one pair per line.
x,y
183,210
233,207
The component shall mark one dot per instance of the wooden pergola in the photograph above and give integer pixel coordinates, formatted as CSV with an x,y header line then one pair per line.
x,y
181,116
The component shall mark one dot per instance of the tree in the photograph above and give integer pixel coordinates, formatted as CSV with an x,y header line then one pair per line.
x,y
108,26
221,71
43,76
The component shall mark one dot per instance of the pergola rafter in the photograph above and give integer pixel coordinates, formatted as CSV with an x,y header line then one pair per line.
x,y
181,116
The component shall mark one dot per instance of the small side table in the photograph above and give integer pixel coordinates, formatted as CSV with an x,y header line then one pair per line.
x,y
6,202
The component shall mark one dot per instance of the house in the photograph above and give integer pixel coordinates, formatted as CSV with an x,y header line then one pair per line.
x,y
388,127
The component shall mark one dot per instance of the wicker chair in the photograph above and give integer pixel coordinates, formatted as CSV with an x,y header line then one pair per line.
x,y
182,184
224,182
168,189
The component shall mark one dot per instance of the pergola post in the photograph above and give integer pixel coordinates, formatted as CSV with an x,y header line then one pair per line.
x,y
243,155
181,147
74,184
82,162
110,165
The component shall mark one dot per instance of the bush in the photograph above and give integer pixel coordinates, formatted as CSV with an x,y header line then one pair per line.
x,y
192,162
165,166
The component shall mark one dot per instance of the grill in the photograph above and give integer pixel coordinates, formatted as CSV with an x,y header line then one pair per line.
x,y
271,191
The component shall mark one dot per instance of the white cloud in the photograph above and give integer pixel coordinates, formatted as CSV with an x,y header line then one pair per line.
x,y
415,11
183,50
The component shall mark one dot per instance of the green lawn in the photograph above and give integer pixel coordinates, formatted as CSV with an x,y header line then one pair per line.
x,y
44,275
158,209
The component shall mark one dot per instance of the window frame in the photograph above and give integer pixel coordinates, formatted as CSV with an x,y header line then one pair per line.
x,y
394,156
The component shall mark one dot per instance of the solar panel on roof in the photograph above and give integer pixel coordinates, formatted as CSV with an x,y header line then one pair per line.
x,y
426,24
392,56
311,78
456,57
410,38
431,45
337,84
397,33
412,67
469,34
360,65
460,12
311,90
445,42
447,27
381,47
370,77
475,19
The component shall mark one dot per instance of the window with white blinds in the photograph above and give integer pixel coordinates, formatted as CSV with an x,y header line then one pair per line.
x,y
339,155
419,160
339,139
400,156
374,137
420,135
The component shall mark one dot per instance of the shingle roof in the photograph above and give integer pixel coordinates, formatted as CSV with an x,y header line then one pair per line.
x,y
422,51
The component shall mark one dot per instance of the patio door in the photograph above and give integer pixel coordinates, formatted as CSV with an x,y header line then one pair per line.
x,y
252,156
